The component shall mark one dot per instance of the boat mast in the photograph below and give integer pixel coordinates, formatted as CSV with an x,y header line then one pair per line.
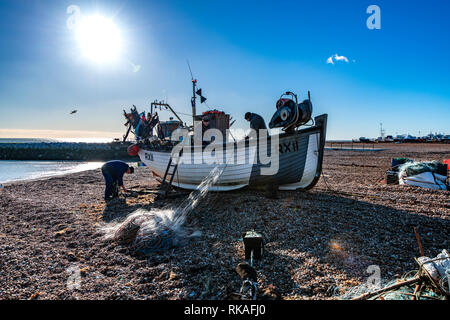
x,y
194,82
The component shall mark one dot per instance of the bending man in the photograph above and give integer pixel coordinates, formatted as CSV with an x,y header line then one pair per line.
x,y
256,122
113,172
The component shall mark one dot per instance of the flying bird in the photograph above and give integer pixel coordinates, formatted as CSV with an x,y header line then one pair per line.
x,y
74,111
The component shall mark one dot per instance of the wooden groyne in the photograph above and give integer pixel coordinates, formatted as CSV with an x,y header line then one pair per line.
x,y
65,151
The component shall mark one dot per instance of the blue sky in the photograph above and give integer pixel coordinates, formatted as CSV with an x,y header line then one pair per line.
x,y
244,54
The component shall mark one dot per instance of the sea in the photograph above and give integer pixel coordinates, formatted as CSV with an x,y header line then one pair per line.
x,y
39,140
12,171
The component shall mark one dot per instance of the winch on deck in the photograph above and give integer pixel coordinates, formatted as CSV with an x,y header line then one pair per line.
x,y
290,114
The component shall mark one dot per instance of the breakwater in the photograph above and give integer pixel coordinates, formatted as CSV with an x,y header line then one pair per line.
x,y
65,151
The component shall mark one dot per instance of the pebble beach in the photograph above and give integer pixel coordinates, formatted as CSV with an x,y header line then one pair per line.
x,y
318,243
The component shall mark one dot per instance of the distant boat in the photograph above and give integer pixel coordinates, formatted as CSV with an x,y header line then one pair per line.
x,y
399,138
409,138
364,139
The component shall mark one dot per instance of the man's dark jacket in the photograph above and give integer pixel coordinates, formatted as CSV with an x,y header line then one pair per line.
x,y
257,122
116,169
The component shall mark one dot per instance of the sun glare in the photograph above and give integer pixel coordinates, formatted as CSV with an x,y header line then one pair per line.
x,y
99,39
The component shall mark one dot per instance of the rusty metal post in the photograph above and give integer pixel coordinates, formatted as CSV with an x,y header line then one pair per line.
x,y
419,242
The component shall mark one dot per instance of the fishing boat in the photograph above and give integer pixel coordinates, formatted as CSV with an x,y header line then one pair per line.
x,y
296,153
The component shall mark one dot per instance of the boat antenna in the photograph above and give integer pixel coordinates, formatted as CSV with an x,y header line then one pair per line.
x,y
189,66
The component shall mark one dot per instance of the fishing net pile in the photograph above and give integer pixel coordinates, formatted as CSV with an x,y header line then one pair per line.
x,y
156,230
414,168
427,174
151,231
430,282
405,292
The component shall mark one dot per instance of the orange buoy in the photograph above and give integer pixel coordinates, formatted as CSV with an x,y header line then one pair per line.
x,y
133,150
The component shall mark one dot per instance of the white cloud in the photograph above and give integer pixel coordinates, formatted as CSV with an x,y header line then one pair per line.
x,y
340,58
336,58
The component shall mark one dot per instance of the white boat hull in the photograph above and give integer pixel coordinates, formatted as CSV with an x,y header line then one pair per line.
x,y
299,162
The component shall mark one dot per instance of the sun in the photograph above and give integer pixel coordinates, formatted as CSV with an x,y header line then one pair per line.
x,y
99,39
